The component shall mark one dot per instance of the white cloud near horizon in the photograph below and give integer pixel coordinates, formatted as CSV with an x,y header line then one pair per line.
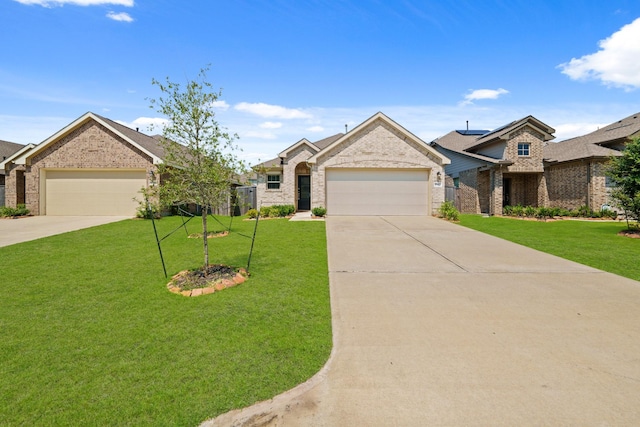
x,y
271,125
146,124
477,94
220,105
316,129
615,64
51,3
271,111
120,17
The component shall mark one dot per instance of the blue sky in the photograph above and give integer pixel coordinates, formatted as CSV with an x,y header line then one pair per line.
x,y
304,69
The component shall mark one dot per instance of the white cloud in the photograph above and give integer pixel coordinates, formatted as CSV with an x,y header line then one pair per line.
x,y
316,129
51,3
570,130
259,135
483,94
146,124
272,111
220,105
615,64
121,17
271,125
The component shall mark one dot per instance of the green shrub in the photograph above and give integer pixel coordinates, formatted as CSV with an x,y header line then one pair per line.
x,y
282,210
252,213
529,211
265,211
544,213
518,210
449,212
19,210
507,211
319,211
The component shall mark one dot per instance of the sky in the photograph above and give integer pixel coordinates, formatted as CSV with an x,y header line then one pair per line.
x,y
307,68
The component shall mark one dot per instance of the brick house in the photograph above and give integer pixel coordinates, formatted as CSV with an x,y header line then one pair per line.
x,y
7,149
517,164
94,166
377,168
496,168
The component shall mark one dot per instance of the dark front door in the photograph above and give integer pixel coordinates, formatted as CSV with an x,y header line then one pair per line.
x,y
506,192
304,192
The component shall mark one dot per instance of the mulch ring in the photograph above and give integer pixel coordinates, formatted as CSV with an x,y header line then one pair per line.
x,y
193,283
634,234
210,235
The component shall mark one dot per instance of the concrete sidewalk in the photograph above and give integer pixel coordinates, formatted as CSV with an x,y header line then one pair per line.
x,y
20,230
436,324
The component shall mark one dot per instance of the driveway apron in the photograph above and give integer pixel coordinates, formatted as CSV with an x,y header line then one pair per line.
x,y
20,230
438,325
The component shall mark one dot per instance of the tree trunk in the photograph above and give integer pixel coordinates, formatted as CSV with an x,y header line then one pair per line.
x,y
205,236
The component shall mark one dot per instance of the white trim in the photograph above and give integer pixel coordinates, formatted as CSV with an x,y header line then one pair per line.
x,y
18,157
67,129
303,141
380,116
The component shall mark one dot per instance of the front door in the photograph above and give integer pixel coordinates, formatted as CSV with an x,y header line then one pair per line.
x,y
304,192
506,192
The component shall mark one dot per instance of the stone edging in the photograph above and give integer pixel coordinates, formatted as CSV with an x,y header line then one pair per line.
x,y
218,286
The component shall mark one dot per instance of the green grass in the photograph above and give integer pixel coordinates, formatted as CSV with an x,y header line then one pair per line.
x,y
89,334
593,243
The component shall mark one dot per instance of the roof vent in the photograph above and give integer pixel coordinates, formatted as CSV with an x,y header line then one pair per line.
x,y
137,129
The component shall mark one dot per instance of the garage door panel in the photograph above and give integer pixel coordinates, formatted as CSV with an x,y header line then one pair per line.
x,y
377,192
93,192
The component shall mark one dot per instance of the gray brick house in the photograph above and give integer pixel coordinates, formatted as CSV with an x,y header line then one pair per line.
x,y
377,168
94,166
517,164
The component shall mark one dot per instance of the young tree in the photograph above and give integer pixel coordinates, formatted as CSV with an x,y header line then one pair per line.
x,y
624,171
200,161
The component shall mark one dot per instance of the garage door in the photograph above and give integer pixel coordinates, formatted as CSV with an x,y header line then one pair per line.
x,y
377,192
93,192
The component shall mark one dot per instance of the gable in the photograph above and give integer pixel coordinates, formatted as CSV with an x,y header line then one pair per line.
x,y
89,145
380,139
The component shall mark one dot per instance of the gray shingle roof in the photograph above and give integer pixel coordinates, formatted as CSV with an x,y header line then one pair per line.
x,y
594,144
456,141
321,144
510,127
8,148
149,143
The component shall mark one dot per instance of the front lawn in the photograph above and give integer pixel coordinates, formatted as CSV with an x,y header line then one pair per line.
x,y
89,334
593,243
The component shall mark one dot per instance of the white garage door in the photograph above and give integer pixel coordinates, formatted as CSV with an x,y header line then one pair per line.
x,y
77,192
377,192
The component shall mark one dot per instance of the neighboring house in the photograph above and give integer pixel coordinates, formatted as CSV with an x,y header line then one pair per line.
x,y
7,149
94,166
378,168
497,168
517,165
575,168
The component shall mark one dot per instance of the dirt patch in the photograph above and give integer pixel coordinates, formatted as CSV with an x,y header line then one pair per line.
x,y
210,235
215,278
634,234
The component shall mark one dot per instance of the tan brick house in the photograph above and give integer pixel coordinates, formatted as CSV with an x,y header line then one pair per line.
x,y
7,149
377,168
517,164
94,166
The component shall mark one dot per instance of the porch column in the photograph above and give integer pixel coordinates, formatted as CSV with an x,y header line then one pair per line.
x,y
495,207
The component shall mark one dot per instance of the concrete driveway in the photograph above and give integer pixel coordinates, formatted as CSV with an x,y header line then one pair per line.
x,y
438,325
20,230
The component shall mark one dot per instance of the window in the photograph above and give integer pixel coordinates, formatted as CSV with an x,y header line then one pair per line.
x,y
456,182
523,149
273,182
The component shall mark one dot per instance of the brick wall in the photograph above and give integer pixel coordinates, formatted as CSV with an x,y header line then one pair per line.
x,y
567,184
89,146
378,146
531,163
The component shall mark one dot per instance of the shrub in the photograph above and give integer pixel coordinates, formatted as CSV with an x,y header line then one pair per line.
x,y
449,212
20,210
544,213
252,213
529,211
319,211
265,211
518,210
507,210
281,210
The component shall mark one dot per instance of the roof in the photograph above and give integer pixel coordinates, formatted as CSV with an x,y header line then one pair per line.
x,y
317,146
505,130
7,149
378,116
455,141
594,144
145,143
